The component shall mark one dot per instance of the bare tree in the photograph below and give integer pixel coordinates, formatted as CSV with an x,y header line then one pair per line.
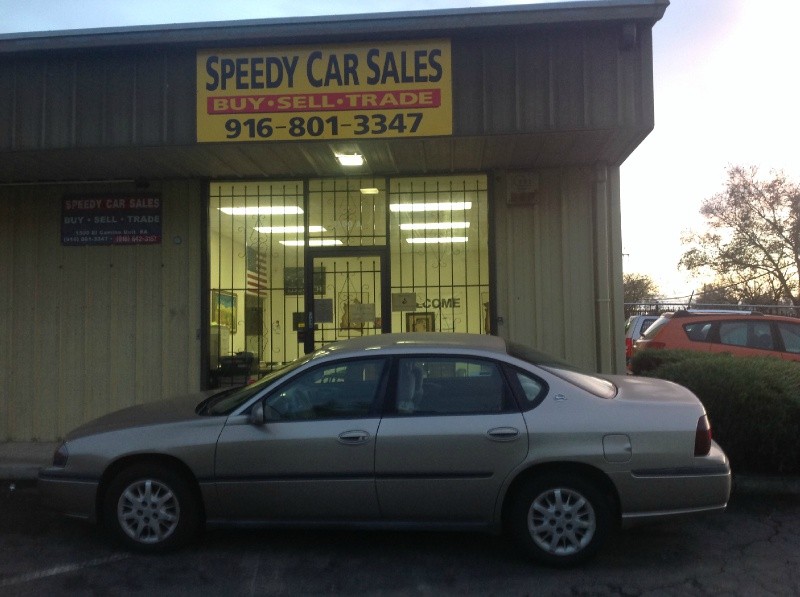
x,y
753,238
638,288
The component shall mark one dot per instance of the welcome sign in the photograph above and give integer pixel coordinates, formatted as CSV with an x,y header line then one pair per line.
x,y
397,89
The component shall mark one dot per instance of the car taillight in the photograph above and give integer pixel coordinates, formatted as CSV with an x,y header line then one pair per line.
x,y
702,437
628,347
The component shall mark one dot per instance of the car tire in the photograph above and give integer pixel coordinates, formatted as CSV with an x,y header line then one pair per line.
x,y
559,519
151,508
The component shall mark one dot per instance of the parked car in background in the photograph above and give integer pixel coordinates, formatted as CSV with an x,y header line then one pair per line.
x,y
635,326
740,333
420,431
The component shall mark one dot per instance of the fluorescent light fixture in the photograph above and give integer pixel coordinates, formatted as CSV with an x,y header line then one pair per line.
x,y
346,159
261,210
436,226
325,242
287,229
445,206
370,191
437,240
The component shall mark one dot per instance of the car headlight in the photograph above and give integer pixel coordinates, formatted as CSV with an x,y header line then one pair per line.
x,y
60,456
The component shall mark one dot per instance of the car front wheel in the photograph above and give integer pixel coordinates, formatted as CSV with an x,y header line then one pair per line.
x,y
151,508
560,520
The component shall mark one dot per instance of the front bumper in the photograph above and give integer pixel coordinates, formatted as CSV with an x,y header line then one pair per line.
x,y
72,497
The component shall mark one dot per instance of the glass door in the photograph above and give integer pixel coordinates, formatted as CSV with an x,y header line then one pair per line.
x,y
347,294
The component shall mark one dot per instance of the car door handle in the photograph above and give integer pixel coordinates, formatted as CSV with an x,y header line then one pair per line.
x,y
503,434
354,437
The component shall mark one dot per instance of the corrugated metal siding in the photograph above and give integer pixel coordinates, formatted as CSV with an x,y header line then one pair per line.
x,y
87,330
548,294
542,81
102,99
550,80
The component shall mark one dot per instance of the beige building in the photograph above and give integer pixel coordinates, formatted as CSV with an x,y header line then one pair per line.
x,y
174,200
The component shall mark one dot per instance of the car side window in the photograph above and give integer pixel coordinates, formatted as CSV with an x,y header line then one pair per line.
x,y
449,386
760,335
697,331
752,334
345,389
532,387
790,334
733,333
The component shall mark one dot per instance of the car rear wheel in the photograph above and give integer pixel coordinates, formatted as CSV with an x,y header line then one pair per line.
x,y
151,508
560,519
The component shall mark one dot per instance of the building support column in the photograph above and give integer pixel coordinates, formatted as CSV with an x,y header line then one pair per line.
x,y
608,269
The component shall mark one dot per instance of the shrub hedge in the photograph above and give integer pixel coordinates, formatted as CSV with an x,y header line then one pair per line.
x,y
753,403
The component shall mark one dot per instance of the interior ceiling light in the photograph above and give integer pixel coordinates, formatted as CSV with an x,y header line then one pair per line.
x,y
287,229
445,206
257,210
348,159
435,226
324,242
437,240
370,191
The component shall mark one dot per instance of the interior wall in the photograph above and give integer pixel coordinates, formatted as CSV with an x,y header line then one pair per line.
x,y
90,329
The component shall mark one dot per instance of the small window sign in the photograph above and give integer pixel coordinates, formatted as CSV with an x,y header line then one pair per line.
x,y
111,220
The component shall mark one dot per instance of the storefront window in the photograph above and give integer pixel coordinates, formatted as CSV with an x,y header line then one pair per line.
x,y
257,279
433,229
347,212
439,252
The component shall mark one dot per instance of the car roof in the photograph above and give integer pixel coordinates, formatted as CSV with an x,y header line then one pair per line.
x,y
415,342
722,314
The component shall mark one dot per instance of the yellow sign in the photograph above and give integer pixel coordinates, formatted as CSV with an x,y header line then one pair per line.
x,y
398,89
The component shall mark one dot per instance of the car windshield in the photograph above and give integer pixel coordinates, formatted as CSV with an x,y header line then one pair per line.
x,y
593,384
226,402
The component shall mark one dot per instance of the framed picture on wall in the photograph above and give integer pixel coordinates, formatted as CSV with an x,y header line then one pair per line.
x,y
224,309
420,322
294,281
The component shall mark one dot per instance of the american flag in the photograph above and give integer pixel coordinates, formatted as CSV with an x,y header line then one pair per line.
x,y
257,272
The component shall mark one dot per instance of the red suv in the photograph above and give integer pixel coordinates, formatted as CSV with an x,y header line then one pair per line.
x,y
740,333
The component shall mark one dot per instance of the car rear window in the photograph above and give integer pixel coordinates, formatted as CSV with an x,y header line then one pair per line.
x,y
591,383
647,322
653,329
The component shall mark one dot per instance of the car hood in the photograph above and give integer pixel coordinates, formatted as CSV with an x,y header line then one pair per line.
x,y
151,413
648,389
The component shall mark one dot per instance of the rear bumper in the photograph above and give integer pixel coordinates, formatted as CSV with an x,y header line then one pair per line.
x,y
72,497
660,494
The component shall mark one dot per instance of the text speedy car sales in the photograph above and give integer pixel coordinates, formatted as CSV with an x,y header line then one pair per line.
x,y
273,72
371,90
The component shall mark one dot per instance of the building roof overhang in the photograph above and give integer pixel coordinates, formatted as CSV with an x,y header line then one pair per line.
x,y
33,162
342,27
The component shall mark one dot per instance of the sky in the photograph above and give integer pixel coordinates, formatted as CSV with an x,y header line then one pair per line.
x,y
725,83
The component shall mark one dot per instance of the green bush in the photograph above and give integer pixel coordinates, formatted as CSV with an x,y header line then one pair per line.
x,y
753,403
649,360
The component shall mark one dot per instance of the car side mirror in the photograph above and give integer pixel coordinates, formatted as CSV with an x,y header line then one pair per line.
x,y
257,416
262,413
